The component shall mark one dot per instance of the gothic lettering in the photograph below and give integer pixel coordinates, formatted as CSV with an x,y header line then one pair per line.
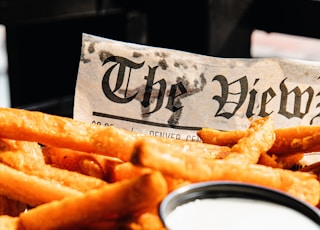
x,y
242,84
173,94
297,94
123,63
149,89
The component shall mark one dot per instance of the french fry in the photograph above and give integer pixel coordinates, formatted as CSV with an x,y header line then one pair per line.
x,y
73,175
31,189
47,129
149,153
148,220
65,132
258,139
289,140
32,148
27,162
90,164
122,198
49,173
285,162
127,170
218,137
120,143
298,139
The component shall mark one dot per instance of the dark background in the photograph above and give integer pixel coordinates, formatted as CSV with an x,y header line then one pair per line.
x,y
44,37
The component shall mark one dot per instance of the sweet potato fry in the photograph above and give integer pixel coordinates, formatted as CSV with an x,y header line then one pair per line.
x,y
127,170
26,162
22,162
219,137
148,220
151,154
298,139
32,148
258,139
91,164
289,140
46,129
122,198
73,175
285,162
31,189
120,143
65,132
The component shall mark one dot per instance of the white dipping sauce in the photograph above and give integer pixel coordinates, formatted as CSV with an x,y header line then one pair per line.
x,y
236,213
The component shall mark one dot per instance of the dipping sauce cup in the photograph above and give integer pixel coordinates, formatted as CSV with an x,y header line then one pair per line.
x,y
233,205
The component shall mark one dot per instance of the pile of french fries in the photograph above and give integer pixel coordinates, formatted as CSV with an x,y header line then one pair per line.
x,y
59,173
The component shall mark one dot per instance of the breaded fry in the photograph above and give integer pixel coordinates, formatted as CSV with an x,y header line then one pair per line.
x,y
91,164
22,162
46,129
127,170
32,148
65,132
298,139
219,137
258,139
285,162
31,189
71,175
289,140
117,199
120,143
150,154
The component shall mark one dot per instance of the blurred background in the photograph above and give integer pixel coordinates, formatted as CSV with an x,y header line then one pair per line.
x,y
40,41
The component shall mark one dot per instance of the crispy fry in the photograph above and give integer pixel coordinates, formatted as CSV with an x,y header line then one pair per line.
x,y
46,129
148,153
299,139
268,160
64,132
259,138
23,162
122,198
218,137
70,174
31,189
289,140
285,162
175,183
32,148
49,173
90,164
120,143
146,221
127,170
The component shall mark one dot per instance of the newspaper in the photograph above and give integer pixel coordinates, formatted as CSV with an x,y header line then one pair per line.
x,y
171,93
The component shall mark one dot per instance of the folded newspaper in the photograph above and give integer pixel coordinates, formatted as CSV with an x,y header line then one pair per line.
x,y
171,93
